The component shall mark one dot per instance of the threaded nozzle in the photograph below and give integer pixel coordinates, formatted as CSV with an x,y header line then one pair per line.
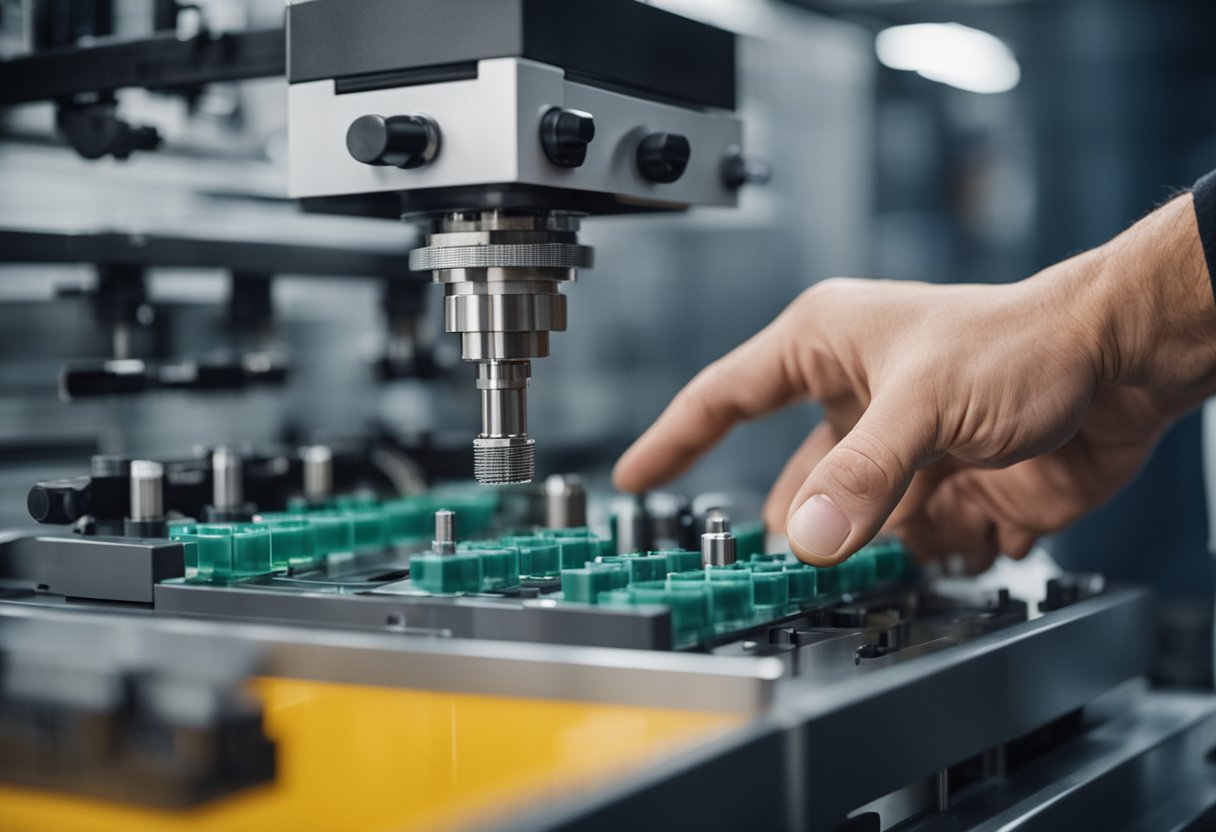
x,y
498,461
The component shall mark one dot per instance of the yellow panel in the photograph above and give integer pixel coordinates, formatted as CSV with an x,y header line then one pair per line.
x,y
366,758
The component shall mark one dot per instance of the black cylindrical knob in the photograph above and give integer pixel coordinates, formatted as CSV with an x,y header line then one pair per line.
x,y
565,134
663,157
59,501
395,141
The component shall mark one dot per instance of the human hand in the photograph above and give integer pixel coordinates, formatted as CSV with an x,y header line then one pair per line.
x,y
930,387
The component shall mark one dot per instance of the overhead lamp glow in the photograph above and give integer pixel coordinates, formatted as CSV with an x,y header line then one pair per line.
x,y
950,53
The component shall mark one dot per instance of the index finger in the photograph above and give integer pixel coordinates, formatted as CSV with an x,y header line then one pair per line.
x,y
750,381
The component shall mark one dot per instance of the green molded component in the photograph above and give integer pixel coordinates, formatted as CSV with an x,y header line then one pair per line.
x,y
641,567
646,568
539,557
686,577
251,549
681,560
298,505
768,558
827,580
499,569
335,534
355,502
732,598
749,539
575,550
764,565
771,590
857,573
293,542
585,585
409,519
447,574
802,583
184,534
690,605
573,531
890,562
475,507
370,527
227,551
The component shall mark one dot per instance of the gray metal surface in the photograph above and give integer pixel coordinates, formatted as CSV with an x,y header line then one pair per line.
x,y
103,568
628,677
1144,767
494,619
897,722
491,134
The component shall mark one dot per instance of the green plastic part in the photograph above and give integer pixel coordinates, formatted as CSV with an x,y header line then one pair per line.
x,y
690,605
184,534
476,507
355,502
293,542
335,534
641,567
732,597
890,562
647,568
447,574
574,550
229,551
802,583
585,585
681,560
827,580
409,519
370,528
499,569
749,539
771,591
539,557
572,531
856,574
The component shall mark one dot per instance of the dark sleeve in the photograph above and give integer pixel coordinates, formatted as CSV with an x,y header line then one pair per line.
x,y
1204,194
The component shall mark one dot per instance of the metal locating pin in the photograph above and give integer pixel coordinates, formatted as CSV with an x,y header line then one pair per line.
x,y
717,544
445,532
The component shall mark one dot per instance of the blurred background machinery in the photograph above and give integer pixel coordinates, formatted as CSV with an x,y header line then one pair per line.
x,y
163,299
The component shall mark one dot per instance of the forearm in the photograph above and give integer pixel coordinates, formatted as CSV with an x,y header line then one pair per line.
x,y
1145,303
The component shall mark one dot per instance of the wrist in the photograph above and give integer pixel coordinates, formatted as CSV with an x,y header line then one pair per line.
x,y
1144,305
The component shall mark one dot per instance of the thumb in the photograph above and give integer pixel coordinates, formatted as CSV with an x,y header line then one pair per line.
x,y
851,492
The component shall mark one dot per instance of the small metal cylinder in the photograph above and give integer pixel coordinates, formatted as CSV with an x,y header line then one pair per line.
x,y
717,544
318,473
445,532
565,501
147,490
631,526
227,483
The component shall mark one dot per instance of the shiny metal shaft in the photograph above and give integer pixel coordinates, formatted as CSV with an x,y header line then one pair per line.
x,y
227,484
503,452
147,490
318,473
445,532
501,272
565,502
717,544
631,524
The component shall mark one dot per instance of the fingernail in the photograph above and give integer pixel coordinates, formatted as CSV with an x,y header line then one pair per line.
x,y
819,528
